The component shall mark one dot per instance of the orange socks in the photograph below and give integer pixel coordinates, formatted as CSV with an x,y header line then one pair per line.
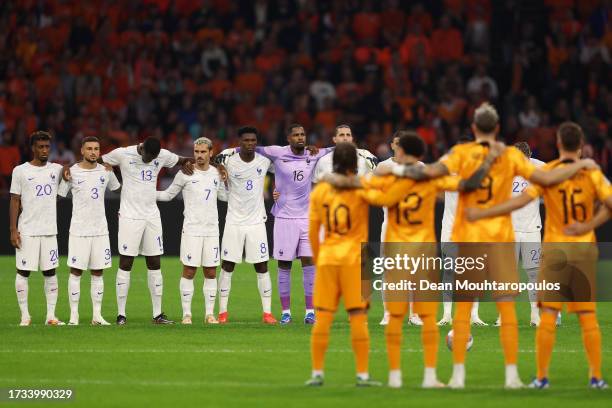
x,y
461,330
545,340
360,340
319,338
508,331
591,337
393,336
430,337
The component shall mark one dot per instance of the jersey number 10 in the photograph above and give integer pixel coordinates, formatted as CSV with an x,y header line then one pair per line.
x,y
341,217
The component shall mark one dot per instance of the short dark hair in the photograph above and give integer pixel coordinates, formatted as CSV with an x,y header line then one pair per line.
x,y
247,129
87,139
523,147
343,125
412,144
293,126
486,118
571,136
345,158
40,135
152,146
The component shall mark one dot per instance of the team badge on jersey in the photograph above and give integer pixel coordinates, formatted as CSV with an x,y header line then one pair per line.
x,y
259,171
52,176
156,163
102,179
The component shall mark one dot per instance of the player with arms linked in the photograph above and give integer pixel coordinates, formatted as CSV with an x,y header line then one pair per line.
x,y
88,244
571,201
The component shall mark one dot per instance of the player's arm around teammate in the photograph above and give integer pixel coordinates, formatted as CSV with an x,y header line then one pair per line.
x,y
200,235
88,243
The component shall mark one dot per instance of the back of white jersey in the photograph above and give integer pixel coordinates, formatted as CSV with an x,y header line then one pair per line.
x,y
246,181
37,187
448,217
88,188
139,180
366,163
200,201
527,218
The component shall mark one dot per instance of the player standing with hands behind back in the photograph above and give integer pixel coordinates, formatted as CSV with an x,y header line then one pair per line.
x,y
34,189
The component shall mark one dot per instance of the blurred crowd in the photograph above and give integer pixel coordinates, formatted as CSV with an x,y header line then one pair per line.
x,y
181,69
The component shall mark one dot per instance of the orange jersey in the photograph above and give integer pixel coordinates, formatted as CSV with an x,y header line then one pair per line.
x,y
411,205
344,216
463,160
571,201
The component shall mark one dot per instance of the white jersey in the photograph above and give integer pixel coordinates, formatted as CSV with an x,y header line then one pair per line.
x,y
366,163
246,180
139,180
37,187
448,217
200,200
527,218
88,188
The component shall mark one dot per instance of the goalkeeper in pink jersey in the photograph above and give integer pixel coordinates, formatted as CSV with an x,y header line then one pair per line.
x,y
294,169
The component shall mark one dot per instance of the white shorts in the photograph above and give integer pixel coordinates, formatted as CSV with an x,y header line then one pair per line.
x,y
199,251
37,253
252,240
140,237
91,253
529,248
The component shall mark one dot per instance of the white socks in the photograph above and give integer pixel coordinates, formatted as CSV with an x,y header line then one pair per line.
x,y
21,288
448,309
210,295
156,288
97,293
186,288
123,285
458,377
225,284
51,295
264,284
74,294
475,309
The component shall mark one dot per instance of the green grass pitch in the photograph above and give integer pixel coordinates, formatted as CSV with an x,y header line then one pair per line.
x,y
245,363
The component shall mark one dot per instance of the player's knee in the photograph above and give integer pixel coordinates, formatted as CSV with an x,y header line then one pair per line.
x,y
77,272
97,272
284,264
307,261
25,274
261,267
210,273
153,262
126,262
228,266
189,273
50,272
356,312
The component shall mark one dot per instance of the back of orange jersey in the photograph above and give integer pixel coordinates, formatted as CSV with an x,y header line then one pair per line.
x,y
344,217
570,201
411,216
495,188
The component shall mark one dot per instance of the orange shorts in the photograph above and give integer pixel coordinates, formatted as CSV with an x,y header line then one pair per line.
x,y
420,308
571,307
333,282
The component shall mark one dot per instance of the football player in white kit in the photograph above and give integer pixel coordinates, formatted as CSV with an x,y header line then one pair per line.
x,y
413,318
88,244
366,161
34,192
200,236
449,250
527,233
245,223
140,227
